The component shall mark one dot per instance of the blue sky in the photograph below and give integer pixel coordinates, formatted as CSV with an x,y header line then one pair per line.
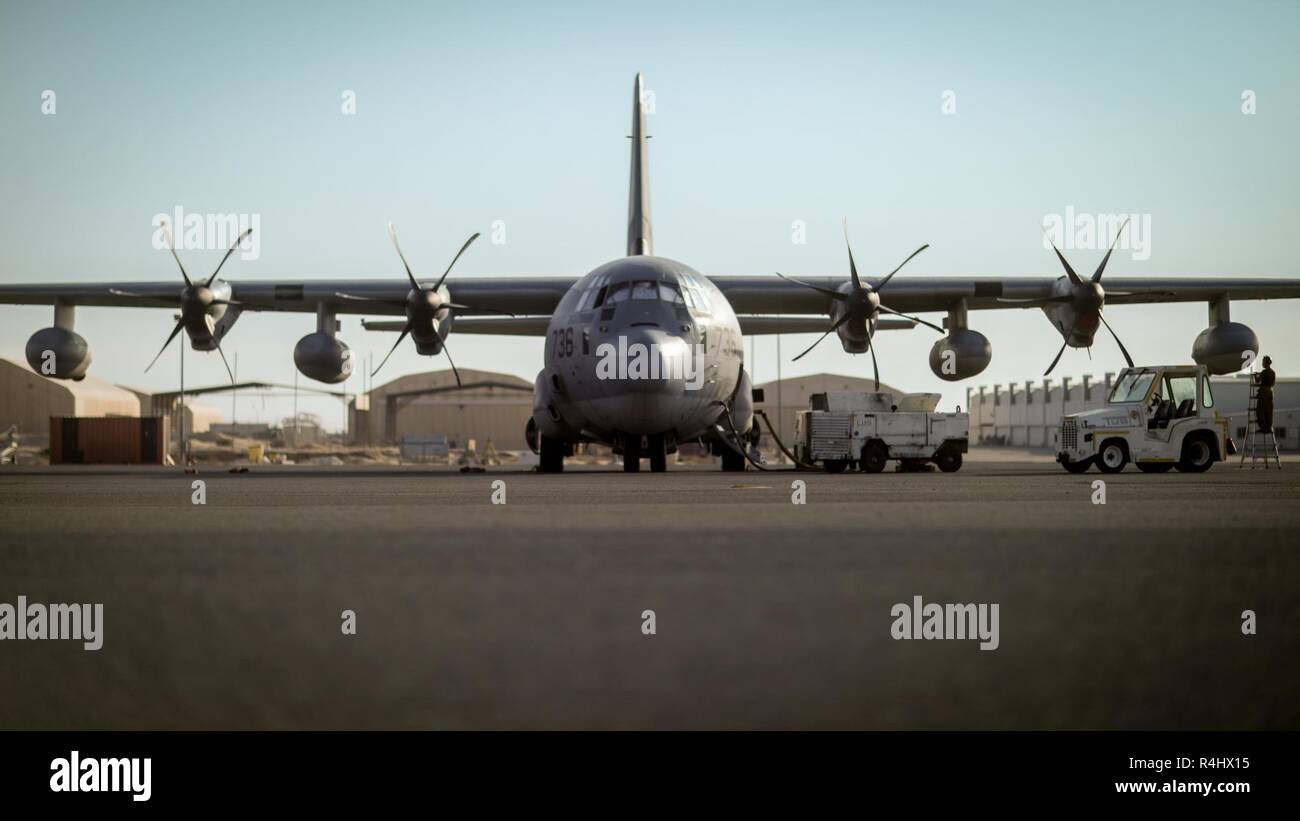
x,y
764,114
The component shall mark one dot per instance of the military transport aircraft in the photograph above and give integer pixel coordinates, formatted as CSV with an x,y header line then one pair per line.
x,y
644,352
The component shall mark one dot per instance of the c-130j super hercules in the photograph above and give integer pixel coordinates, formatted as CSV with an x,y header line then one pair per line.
x,y
694,385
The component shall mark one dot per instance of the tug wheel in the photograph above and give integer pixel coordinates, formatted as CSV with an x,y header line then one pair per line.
x,y
1155,467
1112,457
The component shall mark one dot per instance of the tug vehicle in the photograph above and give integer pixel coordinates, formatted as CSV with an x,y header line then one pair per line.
x,y
844,429
1158,416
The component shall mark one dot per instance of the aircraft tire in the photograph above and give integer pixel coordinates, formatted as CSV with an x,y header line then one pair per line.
x,y
551,455
658,453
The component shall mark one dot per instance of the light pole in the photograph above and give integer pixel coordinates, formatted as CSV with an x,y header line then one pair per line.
x,y
182,449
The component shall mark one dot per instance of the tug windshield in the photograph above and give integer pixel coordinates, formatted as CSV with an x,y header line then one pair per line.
x,y
1132,387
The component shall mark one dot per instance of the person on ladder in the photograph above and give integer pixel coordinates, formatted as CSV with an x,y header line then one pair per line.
x,y
1265,380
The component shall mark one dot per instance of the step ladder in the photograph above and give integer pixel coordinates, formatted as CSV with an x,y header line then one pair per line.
x,y
1252,445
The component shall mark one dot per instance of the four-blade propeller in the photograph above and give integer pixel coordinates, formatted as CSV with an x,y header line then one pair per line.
x,y
196,299
861,303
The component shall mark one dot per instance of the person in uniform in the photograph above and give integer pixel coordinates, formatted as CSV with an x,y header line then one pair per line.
x,y
1264,396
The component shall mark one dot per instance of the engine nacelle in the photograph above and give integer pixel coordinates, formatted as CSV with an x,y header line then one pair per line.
x,y
1223,348
323,357
58,352
960,355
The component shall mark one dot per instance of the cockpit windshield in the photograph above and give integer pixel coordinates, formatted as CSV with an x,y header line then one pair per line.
x,y
641,289
1132,387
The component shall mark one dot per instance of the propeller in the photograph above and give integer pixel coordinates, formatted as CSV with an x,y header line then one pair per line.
x,y
423,305
196,300
1086,297
861,302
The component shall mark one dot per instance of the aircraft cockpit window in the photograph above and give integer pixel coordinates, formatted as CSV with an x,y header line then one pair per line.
x,y
642,289
618,292
668,293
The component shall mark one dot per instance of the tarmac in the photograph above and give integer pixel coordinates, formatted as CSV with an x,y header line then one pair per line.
x,y
532,613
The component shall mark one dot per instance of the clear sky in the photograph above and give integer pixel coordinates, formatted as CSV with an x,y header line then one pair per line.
x,y
765,113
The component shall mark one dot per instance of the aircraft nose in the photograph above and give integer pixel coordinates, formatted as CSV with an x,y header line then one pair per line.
x,y
650,376
654,361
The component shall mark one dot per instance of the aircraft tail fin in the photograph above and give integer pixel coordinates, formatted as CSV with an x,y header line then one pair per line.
x,y
640,238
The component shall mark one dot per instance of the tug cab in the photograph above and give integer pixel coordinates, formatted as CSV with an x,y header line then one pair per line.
x,y
1159,417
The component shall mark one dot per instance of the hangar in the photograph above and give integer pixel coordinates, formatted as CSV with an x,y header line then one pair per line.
x,y
28,399
486,406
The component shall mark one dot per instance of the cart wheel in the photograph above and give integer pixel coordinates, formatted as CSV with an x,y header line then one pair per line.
x,y
948,460
1077,467
835,465
874,458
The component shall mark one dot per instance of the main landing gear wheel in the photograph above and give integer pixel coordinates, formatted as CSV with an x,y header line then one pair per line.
x,y
1112,458
632,454
732,462
873,458
551,453
1155,467
1198,456
657,450
1077,467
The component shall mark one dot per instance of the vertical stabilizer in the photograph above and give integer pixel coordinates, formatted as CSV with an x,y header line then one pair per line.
x,y
640,239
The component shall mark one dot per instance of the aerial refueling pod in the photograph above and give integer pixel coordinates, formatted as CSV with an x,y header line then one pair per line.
x,y
1226,346
321,355
962,353
59,351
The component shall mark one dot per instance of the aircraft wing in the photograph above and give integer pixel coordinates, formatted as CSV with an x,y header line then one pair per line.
x,y
536,325
517,295
752,325
766,304
496,325
914,294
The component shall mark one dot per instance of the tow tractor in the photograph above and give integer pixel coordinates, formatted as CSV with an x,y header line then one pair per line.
x,y
842,429
1158,416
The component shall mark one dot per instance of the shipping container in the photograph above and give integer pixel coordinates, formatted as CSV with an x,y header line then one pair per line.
x,y
119,440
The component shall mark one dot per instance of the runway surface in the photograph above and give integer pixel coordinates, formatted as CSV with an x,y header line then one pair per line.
x,y
768,614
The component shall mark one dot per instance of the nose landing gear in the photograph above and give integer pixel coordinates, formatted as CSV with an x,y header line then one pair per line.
x,y
655,449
